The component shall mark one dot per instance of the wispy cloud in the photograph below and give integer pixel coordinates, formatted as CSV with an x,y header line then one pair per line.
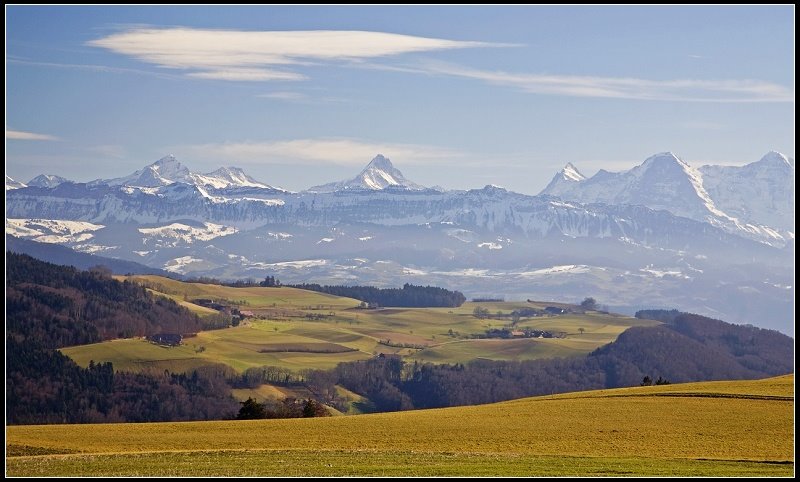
x,y
92,68
29,136
302,98
254,55
685,90
336,151
287,96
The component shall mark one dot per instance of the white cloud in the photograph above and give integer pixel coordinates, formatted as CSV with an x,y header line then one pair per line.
x,y
288,96
29,136
337,151
252,55
686,90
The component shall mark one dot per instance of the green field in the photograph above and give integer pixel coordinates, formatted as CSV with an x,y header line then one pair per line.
x,y
729,428
298,329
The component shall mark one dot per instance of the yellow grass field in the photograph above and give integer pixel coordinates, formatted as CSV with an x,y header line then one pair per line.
x,y
726,428
291,324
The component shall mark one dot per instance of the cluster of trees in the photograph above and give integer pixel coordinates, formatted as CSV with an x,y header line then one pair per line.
x,y
407,296
647,381
270,282
286,408
481,312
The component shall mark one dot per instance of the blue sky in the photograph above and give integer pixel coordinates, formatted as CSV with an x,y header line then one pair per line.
x,y
458,97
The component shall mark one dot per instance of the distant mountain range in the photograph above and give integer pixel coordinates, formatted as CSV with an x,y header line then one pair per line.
x,y
715,240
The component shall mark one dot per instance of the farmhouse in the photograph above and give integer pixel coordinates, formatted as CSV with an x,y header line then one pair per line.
x,y
554,310
168,339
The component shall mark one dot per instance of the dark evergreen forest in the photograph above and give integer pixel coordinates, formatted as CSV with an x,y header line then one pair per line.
x,y
409,296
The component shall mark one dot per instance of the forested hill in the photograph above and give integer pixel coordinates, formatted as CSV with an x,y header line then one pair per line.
x,y
50,306
409,296
62,306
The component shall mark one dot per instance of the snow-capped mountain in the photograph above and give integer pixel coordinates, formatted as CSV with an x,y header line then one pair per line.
x,y
684,251
664,181
12,184
47,180
164,171
564,180
379,174
169,170
761,192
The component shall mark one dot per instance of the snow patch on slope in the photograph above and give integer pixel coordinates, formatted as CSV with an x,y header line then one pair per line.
x,y
188,234
52,230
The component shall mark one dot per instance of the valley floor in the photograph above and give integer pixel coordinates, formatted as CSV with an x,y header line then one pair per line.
x,y
730,428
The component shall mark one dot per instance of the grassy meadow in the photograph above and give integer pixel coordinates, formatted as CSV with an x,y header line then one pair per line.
x,y
299,329
726,428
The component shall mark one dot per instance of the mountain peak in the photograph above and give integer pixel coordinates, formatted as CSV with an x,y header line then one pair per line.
x,y
380,162
563,180
776,158
168,159
379,174
47,180
571,173
663,159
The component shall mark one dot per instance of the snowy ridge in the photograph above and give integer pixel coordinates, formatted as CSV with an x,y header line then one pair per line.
x,y
759,193
738,200
169,170
12,184
47,180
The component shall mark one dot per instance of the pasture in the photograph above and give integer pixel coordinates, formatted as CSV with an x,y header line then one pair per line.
x,y
299,329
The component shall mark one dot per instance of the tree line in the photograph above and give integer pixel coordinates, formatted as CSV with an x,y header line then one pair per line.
x,y
409,295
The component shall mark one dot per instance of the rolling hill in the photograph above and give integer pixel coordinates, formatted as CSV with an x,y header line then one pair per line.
x,y
298,329
741,428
